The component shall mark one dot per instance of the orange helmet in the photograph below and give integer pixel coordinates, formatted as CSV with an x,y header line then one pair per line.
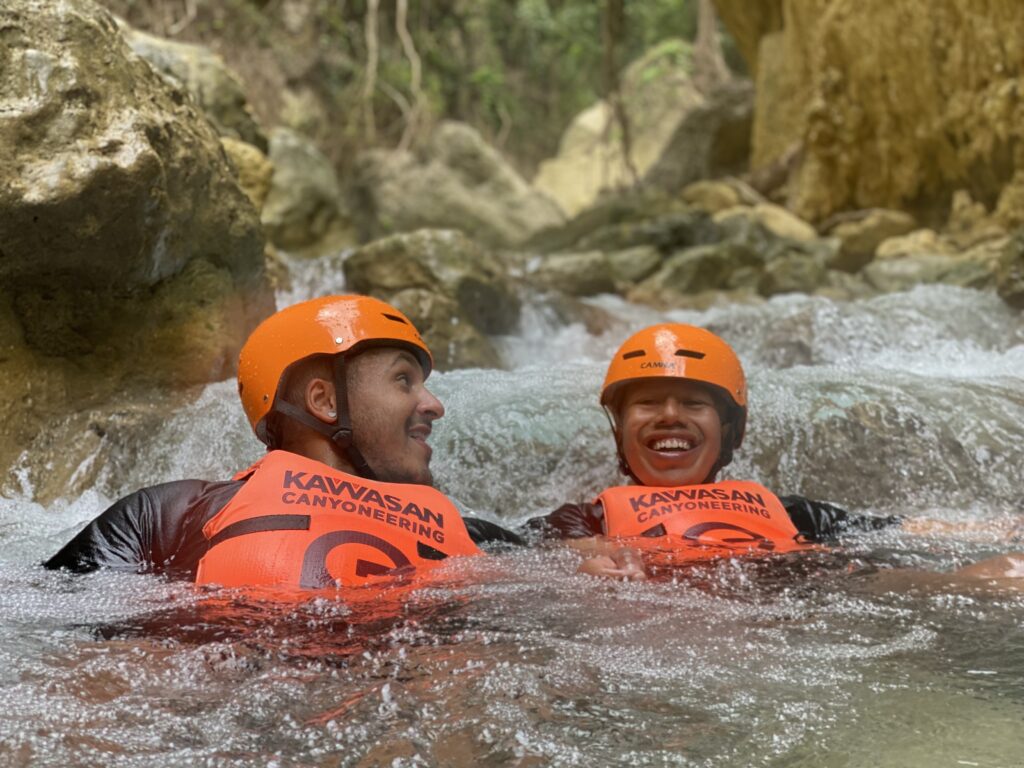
x,y
674,350
331,325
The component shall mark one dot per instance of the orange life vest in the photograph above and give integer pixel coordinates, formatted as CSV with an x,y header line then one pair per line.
x,y
712,520
300,523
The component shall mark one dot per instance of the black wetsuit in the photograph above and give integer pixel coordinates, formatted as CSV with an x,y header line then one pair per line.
x,y
815,520
160,530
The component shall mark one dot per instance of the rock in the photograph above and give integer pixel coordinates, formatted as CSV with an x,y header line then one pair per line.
x,y
443,259
252,169
131,259
678,134
713,140
827,72
466,280
794,272
1010,206
774,218
719,194
667,232
457,181
1010,276
861,236
303,210
723,266
921,241
842,286
901,274
453,342
659,95
577,274
204,75
632,265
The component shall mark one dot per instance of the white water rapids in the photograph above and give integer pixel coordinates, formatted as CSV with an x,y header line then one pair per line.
x,y
908,404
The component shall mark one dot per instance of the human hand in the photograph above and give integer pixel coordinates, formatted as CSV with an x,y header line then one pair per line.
x,y
620,563
1000,569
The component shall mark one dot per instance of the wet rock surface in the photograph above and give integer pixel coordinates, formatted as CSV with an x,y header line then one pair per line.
x,y
131,259
453,289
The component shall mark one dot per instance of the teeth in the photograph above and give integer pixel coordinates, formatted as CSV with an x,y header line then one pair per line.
x,y
671,443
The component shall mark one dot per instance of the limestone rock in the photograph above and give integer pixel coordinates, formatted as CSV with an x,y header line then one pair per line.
x,y
862,233
461,292
204,75
659,94
1010,207
303,209
900,274
723,266
890,107
793,272
131,259
774,218
712,196
920,241
457,181
678,134
578,274
453,342
632,265
1010,277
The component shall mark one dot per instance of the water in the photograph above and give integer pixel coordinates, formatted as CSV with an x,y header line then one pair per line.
x,y
860,656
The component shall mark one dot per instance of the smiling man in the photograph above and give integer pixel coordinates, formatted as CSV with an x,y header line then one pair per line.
x,y
336,389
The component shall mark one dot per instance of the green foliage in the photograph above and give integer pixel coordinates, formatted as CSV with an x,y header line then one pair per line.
x,y
517,70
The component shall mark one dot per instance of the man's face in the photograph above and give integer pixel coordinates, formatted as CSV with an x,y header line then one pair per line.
x,y
671,431
392,412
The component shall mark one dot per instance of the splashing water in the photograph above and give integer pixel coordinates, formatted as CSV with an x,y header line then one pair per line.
x,y
858,656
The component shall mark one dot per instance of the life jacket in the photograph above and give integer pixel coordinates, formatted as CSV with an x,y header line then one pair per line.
x,y
300,523
712,520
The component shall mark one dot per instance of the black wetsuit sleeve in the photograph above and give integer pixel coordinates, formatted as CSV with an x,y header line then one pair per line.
x,y
569,521
821,521
486,532
155,529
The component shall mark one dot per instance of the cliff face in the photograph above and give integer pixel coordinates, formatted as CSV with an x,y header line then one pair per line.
x,y
888,103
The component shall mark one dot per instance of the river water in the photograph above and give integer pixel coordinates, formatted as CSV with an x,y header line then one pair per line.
x,y
863,655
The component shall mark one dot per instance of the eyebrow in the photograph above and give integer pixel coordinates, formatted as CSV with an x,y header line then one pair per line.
x,y
404,356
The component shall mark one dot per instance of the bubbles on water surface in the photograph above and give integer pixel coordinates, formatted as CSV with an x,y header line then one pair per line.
x,y
909,403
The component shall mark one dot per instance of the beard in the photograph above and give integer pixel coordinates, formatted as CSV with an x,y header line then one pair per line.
x,y
388,465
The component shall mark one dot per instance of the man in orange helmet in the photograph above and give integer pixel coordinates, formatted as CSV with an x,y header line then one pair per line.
x,y
676,398
335,388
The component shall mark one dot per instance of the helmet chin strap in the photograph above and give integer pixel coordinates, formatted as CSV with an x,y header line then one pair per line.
x,y
340,432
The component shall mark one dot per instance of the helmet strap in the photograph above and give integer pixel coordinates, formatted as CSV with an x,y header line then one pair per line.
x,y
342,436
340,432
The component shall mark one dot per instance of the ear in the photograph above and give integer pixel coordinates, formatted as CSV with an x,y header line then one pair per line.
x,y
320,400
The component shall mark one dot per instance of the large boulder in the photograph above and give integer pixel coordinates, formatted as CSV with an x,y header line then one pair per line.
x,y
131,260
455,181
888,106
677,134
455,292
304,211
